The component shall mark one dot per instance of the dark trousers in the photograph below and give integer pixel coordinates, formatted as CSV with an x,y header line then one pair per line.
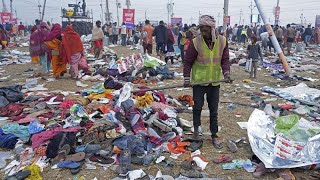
x,y
182,52
213,103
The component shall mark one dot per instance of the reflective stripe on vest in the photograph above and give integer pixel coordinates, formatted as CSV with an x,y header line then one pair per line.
x,y
202,48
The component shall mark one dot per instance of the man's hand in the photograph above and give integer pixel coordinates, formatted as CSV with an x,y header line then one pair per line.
x,y
227,78
187,82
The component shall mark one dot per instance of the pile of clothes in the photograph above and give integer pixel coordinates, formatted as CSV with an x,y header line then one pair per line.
x,y
103,125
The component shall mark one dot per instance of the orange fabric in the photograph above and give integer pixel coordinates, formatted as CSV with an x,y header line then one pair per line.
x,y
149,29
116,150
108,95
105,109
71,44
180,147
58,65
35,59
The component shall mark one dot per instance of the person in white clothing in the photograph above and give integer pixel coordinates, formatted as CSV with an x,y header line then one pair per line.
x,y
123,34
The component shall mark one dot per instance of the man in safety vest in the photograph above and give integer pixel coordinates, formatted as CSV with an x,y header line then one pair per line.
x,y
182,37
208,57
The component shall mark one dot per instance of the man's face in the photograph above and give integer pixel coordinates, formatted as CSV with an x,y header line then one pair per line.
x,y
99,24
206,32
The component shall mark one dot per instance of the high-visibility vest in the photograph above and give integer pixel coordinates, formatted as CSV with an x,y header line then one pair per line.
x,y
207,66
183,38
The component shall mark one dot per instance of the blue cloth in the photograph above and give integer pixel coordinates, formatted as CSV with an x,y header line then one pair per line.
x,y
35,127
7,140
20,131
44,63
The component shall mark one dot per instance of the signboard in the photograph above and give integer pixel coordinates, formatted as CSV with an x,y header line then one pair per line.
x,y
176,20
255,18
317,21
5,17
128,18
226,19
14,20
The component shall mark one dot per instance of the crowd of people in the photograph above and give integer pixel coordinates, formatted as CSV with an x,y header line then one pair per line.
x,y
52,46
286,35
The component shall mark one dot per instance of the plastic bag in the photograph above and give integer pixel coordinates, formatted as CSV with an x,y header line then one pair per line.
x,y
285,123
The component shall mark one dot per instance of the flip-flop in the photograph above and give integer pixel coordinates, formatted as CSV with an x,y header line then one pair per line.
x,y
19,175
68,165
101,160
223,159
232,146
260,171
75,171
190,165
76,157
191,173
63,152
195,145
88,148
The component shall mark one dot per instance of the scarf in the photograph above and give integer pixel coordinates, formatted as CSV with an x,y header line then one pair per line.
x,y
71,44
207,20
97,33
37,39
55,32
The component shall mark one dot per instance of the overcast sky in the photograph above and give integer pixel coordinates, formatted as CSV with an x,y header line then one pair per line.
x,y
291,10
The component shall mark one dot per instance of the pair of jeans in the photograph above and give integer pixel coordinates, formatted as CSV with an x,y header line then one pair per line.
x,y
123,39
254,67
44,63
212,93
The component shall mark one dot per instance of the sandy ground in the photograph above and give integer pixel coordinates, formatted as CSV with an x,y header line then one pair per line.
x,y
227,121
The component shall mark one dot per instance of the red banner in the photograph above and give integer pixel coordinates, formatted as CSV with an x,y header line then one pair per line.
x,y
128,17
5,17
175,21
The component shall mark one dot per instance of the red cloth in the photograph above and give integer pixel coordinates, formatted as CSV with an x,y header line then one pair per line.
x,y
98,43
21,27
71,44
55,32
39,138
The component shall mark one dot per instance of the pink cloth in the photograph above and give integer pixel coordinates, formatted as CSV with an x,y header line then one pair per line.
x,y
38,139
207,20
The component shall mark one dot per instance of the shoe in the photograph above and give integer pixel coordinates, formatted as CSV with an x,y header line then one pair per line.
x,y
232,146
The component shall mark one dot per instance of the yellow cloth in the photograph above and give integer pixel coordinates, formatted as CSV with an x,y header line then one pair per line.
x,y
144,101
35,172
58,66
35,59
98,96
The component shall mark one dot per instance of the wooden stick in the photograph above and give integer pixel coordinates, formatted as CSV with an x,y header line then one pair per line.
x,y
176,86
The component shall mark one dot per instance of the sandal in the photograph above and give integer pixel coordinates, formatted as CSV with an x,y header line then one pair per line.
x,y
232,146
76,157
260,170
286,175
195,145
191,173
217,143
223,159
190,165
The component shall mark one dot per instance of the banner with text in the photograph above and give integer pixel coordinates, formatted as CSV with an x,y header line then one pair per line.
x,y
5,17
128,18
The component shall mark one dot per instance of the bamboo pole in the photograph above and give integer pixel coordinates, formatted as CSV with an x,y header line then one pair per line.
x,y
273,38
177,86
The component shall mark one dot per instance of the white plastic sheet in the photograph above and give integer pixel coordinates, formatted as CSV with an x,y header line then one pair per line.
x,y
262,140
